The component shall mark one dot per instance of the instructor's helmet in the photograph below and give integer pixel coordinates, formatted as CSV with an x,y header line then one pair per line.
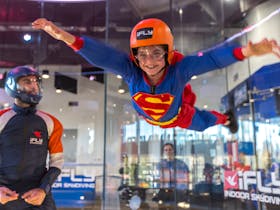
x,y
13,90
151,31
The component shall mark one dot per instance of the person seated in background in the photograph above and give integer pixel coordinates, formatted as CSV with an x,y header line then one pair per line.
x,y
173,177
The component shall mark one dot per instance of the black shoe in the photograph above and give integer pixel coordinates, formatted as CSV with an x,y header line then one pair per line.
x,y
233,124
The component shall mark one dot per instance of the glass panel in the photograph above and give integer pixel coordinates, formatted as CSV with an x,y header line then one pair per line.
x,y
80,104
209,155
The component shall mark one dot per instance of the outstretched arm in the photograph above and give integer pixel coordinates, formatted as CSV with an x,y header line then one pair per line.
x,y
53,30
96,52
261,48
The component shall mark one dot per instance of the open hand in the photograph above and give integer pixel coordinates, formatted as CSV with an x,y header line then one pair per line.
x,y
53,30
261,48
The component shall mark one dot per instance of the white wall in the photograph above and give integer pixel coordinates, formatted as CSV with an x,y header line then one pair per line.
x,y
268,29
87,117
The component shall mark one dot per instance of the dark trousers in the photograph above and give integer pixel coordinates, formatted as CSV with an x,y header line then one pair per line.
x,y
171,195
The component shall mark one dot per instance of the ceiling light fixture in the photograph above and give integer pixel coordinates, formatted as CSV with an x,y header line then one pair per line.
x,y
45,74
27,37
58,90
122,88
193,77
92,77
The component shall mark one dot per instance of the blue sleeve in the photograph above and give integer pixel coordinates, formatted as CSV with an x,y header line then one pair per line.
x,y
101,55
158,166
183,165
213,59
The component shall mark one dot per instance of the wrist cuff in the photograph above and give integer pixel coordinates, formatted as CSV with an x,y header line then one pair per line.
x,y
237,52
46,188
78,43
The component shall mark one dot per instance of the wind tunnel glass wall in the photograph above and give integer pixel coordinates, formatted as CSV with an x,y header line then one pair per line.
x,y
112,155
213,156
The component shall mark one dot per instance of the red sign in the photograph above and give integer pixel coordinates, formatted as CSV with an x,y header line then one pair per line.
x,y
231,180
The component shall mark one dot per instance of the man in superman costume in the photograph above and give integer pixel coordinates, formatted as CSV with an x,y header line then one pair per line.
x,y
157,75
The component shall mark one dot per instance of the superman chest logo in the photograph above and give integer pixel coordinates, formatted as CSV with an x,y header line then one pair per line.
x,y
154,106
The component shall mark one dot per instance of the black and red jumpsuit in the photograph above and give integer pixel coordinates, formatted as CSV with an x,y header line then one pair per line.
x,y
31,154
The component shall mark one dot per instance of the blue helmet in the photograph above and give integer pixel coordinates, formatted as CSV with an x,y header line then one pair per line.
x,y
12,88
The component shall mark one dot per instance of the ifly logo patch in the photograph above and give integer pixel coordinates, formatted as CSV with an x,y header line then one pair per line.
x,y
37,139
144,33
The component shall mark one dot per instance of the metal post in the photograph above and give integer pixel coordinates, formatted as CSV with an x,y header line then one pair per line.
x,y
105,108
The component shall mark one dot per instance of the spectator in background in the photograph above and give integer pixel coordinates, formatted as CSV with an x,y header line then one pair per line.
x,y
173,176
208,172
124,172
